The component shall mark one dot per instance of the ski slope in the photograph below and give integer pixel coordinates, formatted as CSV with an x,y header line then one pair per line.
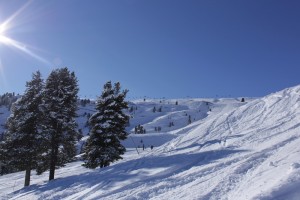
x,y
231,150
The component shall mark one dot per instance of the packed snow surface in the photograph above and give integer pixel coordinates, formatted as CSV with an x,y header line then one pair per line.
x,y
230,150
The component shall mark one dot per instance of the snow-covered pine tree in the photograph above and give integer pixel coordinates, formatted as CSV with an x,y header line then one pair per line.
x,y
60,104
107,128
22,147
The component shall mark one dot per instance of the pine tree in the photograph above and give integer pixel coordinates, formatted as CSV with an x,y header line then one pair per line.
x,y
60,104
107,128
23,147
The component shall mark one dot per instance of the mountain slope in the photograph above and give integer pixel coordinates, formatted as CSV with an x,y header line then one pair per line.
x,y
266,131
235,151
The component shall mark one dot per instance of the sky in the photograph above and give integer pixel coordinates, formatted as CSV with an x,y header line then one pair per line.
x,y
154,48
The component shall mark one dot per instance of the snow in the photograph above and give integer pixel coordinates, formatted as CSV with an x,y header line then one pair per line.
x,y
232,150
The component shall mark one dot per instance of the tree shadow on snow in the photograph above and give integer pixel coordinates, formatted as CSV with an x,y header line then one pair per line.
x,y
125,175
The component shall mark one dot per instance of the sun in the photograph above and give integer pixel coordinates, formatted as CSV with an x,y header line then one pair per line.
x,y
3,38
2,31
3,28
10,42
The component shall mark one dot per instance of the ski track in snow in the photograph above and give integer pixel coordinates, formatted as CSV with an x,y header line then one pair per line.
x,y
235,151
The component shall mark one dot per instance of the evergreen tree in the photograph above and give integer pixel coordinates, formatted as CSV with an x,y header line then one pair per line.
x,y
60,104
23,147
107,128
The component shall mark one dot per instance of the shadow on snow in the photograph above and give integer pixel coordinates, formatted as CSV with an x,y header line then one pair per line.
x,y
126,175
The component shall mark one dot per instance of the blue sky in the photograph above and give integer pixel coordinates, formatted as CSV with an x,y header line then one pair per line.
x,y
156,48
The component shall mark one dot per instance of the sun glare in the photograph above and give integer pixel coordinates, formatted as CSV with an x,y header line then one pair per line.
x,y
5,39
2,30
2,38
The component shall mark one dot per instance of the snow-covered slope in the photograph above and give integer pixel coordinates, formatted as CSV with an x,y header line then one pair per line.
x,y
258,144
231,150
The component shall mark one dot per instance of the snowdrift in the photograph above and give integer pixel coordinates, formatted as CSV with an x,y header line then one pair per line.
x,y
232,151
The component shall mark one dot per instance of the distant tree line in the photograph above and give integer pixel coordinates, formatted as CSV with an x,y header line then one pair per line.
x,y
8,99
84,102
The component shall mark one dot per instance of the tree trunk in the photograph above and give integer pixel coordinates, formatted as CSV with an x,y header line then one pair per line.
x,y
54,149
27,176
52,171
53,163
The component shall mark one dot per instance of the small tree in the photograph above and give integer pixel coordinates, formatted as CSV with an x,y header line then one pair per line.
x,y
23,143
107,128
